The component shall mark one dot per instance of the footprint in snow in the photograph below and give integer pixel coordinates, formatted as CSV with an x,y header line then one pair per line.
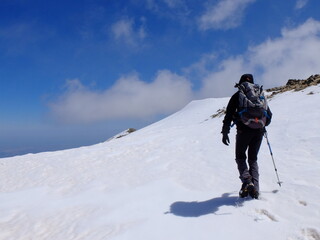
x,y
311,234
304,203
265,213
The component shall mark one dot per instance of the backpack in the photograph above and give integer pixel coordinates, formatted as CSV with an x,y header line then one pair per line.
x,y
252,105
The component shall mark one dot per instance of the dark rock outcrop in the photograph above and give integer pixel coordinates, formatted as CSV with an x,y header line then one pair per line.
x,y
295,85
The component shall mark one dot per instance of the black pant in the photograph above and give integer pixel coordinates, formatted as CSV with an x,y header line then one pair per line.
x,y
251,141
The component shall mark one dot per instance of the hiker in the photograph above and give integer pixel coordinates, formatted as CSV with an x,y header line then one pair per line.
x,y
249,135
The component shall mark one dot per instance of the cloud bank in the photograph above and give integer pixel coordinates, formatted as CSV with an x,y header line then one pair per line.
x,y
295,54
129,98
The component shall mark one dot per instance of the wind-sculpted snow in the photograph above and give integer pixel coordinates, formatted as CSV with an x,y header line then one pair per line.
x,y
171,180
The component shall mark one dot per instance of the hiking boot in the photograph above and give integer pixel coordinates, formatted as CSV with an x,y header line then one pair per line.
x,y
246,189
254,193
243,191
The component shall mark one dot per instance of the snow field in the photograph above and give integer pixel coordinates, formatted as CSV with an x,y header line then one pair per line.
x,y
171,180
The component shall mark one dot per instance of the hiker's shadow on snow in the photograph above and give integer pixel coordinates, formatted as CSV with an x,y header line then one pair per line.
x,y
197,209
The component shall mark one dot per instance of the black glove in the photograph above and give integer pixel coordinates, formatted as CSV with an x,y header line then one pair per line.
x,y
225,139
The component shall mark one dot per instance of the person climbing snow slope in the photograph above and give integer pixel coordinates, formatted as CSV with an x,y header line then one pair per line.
x,y
249,110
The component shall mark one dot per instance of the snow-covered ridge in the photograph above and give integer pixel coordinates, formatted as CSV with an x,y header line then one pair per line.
x,y
171,180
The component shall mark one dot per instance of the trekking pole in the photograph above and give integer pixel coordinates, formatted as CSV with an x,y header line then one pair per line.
x,y
275,168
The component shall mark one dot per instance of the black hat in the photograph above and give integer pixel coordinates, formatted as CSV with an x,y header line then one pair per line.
x,y
246,78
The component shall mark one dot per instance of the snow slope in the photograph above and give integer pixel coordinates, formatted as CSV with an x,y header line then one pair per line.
x,y
171,180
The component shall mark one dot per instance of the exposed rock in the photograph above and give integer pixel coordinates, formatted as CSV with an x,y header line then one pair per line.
x,y
122,134
296,85
219,113
125,133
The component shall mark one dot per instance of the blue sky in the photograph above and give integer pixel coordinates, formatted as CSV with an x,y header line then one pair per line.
x,y
75,73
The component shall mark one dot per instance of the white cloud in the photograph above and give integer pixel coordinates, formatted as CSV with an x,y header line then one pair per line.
x,y
293,55
201,67
220,83
301,3
129,98
226,14
124,31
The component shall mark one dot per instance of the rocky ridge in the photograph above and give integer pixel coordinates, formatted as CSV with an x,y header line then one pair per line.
x,y
295,84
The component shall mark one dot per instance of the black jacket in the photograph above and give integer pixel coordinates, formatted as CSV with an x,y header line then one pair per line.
x,y
233,116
